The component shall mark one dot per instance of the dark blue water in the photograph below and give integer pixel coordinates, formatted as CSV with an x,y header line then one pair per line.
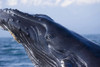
x,y
13,54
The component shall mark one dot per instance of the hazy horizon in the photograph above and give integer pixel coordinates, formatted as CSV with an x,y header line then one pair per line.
x,y
81,16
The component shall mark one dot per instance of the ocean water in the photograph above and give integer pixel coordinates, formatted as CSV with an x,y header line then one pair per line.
x,y
13,54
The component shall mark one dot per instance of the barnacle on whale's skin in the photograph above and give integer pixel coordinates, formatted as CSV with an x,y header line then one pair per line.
x,y
47,43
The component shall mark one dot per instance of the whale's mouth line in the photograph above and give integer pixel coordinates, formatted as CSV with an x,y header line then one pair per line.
x,y
3,27
6,27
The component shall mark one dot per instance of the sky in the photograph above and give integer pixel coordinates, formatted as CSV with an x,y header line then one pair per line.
x,y
81,16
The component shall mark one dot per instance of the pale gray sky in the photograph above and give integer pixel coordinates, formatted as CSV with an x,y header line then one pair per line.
x,y
81,16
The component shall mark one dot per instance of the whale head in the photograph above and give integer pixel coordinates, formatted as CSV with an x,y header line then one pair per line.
x,y
34,32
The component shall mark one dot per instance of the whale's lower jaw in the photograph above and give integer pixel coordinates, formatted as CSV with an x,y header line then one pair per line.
x,y
39,57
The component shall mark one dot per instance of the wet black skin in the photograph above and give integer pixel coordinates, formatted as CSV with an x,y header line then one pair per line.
x,y
47,43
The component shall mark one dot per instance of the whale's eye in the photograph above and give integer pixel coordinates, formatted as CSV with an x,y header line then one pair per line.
x,y
50,36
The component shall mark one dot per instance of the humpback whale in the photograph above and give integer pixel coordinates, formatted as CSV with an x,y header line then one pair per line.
x,y
47,43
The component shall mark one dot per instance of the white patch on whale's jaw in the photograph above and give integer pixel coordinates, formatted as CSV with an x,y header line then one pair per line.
x,y
62,63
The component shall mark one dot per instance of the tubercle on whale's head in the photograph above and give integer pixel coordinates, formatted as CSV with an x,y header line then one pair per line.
x,y
4,18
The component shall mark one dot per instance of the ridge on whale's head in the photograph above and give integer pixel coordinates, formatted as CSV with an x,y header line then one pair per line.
x,y
33,31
